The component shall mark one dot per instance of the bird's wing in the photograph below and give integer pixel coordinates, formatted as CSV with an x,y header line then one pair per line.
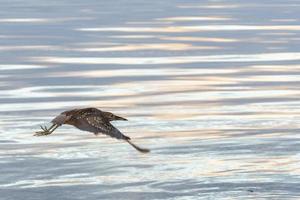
x,y
93,120
97,124
107,115
86,112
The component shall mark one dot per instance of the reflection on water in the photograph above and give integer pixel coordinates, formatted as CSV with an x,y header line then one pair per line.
x,y
212,88
293,56
194,18
180,29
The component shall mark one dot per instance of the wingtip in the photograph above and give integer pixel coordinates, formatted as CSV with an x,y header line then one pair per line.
x,y
145,151
142,150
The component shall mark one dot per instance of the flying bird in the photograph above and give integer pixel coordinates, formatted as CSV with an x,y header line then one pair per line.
x,y
92,120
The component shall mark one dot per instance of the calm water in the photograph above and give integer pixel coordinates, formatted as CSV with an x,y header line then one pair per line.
x,y
212,87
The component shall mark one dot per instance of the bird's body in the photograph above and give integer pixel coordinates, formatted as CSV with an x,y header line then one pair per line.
x,y
92,120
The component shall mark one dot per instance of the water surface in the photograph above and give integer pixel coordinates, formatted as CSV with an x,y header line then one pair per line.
x,y
212,87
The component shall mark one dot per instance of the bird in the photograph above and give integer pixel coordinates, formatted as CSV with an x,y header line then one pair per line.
x,y
92,120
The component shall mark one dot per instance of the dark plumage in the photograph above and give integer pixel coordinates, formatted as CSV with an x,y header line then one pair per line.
x,y
92,120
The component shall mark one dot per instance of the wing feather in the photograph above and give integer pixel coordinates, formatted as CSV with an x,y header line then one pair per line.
x,y
92,120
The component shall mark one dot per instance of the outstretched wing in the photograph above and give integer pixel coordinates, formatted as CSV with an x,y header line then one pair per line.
x,y
96,121
107,115
100,125
83,113
92,120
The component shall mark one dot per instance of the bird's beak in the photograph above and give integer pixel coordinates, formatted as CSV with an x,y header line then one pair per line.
x,y
121,118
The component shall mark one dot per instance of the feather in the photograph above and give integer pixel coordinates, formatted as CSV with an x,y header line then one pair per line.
x,y
92,120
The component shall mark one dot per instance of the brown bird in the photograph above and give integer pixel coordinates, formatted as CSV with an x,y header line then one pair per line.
x,y
92,120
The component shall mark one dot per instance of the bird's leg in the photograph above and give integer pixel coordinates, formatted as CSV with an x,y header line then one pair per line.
x,y
55,127
46,131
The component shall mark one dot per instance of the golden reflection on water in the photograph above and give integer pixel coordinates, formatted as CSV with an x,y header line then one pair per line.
x,y
23,20
144,72
181,29
42,20
152,46
199,39
284,20
170,59
212,6
132,36
195,18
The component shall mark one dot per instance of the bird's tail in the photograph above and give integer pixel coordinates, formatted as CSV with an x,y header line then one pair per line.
x,y
142,150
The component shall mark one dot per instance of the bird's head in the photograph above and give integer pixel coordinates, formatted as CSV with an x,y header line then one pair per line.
x,y
64,117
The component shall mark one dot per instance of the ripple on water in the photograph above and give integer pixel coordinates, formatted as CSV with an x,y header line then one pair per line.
x,y
214,96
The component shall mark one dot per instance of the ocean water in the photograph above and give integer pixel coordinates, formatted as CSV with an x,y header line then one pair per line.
x,y
211,87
